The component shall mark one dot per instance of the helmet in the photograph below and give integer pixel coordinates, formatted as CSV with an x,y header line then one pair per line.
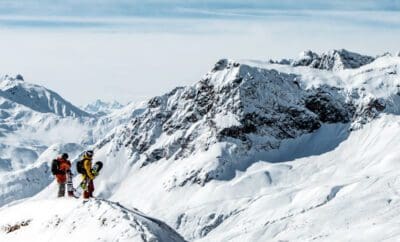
x,y
64,156
89,153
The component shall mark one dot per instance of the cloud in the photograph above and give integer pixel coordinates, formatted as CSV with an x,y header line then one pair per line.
x,y
143,58
128,50
171,8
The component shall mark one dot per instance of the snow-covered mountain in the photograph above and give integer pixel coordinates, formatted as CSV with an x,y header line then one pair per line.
x,y
19,183
250,111
36,126
101,108
32,118
240,132
331,60
16,91
296,150
30,138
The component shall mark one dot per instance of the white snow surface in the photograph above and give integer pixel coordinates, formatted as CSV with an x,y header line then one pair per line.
x,y
327,185
77,220
331,196
34,131
253,152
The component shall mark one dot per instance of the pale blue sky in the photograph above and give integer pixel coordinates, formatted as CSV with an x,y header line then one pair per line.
x,y
128,50
174,8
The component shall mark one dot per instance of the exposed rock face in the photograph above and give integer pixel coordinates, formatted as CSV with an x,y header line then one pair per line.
x,y
332,60
330,108
247,108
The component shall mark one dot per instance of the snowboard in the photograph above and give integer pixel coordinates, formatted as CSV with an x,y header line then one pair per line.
x,y
97,167
70,186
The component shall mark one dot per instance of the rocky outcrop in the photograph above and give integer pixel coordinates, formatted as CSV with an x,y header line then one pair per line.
x,y
332,60
250,110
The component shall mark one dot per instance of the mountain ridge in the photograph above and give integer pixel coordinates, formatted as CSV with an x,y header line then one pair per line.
x,y
248,108
258,151
70,219
37,98
202,138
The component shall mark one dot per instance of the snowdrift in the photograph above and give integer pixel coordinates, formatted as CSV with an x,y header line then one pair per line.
x,y
76,220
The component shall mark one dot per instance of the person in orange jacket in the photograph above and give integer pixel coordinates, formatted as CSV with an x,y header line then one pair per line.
x,y
88,177
60,167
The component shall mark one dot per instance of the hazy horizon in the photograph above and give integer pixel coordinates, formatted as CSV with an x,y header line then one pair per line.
x,y
128,51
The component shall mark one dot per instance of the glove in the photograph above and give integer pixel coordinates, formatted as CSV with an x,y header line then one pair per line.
x,y
83,185
95,173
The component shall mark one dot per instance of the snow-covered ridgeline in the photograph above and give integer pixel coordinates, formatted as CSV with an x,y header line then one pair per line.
x,y
31,127
333,60
251,111
37,97
193,140
77,220
259,151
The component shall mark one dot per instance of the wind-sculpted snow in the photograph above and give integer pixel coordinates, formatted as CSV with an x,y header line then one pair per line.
x,y
77,220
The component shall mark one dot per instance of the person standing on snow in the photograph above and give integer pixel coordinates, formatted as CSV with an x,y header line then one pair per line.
x,y
60,167
88,175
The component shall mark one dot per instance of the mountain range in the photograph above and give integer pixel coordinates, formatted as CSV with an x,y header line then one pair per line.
x,y
302,150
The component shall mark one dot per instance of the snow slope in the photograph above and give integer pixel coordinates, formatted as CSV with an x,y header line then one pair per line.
x,y
252,147
348,194
32,118
36,125
78,220
261,152
336,191
30,180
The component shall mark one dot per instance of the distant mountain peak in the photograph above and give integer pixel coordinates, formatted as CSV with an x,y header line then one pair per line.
x,y
37,98
335,60
248,109
332,60
17,77
100,108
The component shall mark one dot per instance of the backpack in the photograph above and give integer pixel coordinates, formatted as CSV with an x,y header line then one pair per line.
x,y
79,167
55,167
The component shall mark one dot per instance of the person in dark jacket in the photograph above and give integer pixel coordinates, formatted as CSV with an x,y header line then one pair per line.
x,y
60,167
